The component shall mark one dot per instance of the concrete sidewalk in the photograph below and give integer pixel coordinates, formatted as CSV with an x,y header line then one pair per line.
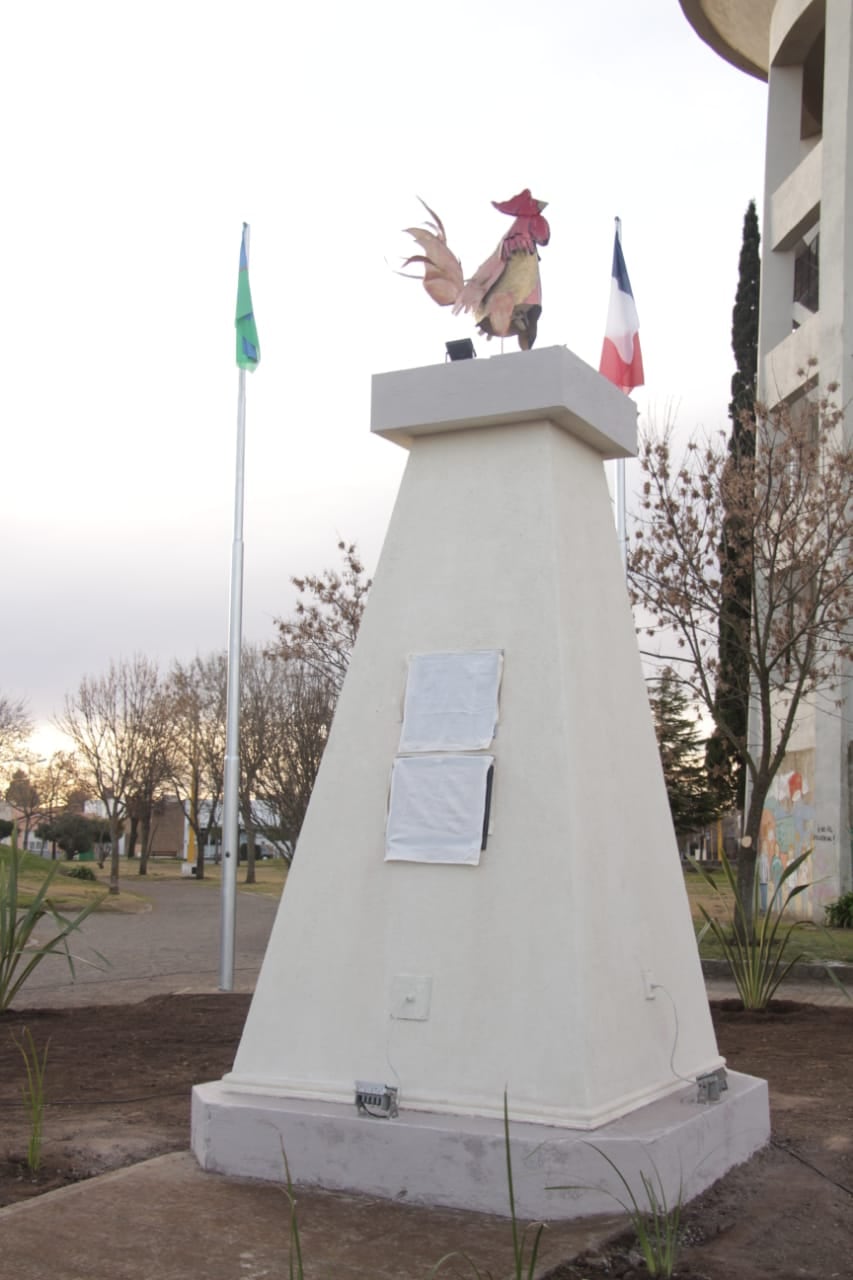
x,y
165,1219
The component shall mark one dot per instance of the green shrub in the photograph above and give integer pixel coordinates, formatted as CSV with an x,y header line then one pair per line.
x,y
754,946
81,873
839,915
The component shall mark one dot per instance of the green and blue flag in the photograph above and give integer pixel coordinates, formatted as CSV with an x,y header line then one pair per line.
x,y
248,347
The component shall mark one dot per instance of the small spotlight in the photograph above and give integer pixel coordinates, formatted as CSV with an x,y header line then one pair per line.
x,y
461,349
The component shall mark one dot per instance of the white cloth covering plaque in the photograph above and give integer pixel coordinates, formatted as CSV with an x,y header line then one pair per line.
x,y
451,701
437,809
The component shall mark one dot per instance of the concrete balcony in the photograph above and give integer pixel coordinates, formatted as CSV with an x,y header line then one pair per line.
x,y
795,204
781,374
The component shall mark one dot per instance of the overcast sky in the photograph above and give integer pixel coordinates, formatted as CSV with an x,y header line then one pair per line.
x,y
139,136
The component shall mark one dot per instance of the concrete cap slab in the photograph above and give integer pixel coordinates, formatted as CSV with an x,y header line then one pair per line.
x,y
526,386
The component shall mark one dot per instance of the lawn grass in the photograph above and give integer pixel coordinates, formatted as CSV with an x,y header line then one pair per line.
x,y
270,877
816,942
67,893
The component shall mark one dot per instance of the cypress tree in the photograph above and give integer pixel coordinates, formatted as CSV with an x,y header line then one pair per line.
x,y
732,691
693,802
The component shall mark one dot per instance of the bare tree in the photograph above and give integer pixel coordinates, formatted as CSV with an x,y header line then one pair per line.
x,y
259,710
15,727
57,782
108,720
785,516
327,617
196,701
304,705
23,795
153,777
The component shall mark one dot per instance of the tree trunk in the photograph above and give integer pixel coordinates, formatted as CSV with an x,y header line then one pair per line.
x,y
201,840
132,836
115,828
748,853
144,843
250,854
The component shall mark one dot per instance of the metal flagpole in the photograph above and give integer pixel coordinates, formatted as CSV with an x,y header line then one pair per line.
x,y
230,810
621,515
621,512
248,356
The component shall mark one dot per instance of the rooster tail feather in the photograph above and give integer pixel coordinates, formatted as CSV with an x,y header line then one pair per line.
x,y
436,224
442,278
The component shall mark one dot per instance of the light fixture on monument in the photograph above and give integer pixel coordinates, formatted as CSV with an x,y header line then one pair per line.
x,y
459,349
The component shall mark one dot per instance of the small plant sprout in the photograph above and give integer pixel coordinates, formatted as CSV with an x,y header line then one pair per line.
x,y
655,1224
294,1258
35,1067
524,1266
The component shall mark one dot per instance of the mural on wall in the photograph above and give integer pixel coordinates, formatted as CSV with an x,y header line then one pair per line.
x,y
788,829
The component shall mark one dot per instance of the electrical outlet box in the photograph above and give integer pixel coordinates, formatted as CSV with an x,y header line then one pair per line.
x,y
649,984
410,996
377,1100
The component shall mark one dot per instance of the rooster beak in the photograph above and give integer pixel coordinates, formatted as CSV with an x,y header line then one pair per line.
x,y
543,204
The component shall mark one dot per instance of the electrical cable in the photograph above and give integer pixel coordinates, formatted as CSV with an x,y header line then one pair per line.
x,y
85,1103
396,1074
780,1146
374,1115
656,986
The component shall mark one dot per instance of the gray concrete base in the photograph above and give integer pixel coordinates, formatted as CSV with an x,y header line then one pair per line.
x,y
418,1158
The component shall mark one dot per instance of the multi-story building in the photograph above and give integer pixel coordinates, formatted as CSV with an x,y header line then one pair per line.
x,y
803,49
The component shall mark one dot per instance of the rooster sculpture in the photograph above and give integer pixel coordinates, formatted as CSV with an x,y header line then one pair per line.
x,y
505,293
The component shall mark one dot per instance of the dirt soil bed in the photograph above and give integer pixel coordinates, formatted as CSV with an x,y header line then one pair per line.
x,y
119,1078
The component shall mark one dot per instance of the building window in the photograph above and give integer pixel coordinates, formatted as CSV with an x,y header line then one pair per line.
x,y
807,273
811,117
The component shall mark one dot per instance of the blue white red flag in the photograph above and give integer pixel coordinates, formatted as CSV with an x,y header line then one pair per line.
x,y
621,359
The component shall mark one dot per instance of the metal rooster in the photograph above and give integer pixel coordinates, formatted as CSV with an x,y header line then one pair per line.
x,y
505,293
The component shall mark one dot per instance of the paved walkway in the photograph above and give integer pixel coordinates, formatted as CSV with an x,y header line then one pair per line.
x,y
172,946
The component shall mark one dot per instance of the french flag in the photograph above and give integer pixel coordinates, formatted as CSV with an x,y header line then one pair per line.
x,y
621,359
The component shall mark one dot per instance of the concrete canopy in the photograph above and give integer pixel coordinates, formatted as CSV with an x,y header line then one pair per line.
x,y
737,31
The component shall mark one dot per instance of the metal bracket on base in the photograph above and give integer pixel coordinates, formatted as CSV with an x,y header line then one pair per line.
x,y
376,1100
712,1085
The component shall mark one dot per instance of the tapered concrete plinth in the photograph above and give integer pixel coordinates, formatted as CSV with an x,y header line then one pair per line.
x,y
461,1160
558,962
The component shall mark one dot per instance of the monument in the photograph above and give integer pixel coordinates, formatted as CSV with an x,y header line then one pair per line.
x,y
486,895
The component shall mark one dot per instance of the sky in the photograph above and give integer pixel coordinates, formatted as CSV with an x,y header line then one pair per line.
x,y
138,139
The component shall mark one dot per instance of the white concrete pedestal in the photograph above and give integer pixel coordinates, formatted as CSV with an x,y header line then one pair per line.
x,y
460,1161
563,967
